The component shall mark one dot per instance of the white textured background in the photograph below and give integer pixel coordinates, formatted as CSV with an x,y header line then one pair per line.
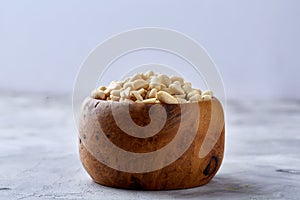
x,y
255,44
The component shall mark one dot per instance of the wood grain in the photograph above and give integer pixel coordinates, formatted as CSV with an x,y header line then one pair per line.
x,y
187,171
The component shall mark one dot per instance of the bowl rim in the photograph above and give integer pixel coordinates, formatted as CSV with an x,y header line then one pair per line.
x,y
141,103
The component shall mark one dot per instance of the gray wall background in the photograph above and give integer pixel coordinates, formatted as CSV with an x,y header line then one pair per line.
x,y
255,44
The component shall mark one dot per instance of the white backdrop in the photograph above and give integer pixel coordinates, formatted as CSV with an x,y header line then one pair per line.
x,y
255,44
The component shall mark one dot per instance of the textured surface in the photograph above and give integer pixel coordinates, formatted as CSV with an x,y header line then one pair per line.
x,y
39,154
163,169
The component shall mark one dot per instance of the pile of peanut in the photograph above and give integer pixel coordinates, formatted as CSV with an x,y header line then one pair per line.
x,y
151,87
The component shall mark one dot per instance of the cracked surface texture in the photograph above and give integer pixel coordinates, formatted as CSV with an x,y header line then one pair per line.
x,y
39,154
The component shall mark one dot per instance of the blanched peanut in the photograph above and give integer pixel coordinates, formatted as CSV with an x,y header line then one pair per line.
x,y
152,93
207,92
196,97
206,97
115,93
107,91
125,100
187,88
147,94
177,78
180,100
151,100
192,93
121,83
155,83
140,83
98,94
155,80
127,84
168,90
136,77
177,83
163,86
114,98
125,93
137,95
188,83
141,91
176,88
149,73
165,80
156,86
114,86
126,79
200,92
181,96
150,87
166,98
102,88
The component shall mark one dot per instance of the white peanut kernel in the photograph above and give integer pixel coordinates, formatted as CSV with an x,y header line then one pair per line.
x,y
98,94
153,93
176,88
166,98
102,88
192,93
151,87
177,78
165,79
207,92
196,97
187,89
114,98
206,97
127,84
151,100
125,93
137,95
135,77
115,93
140,83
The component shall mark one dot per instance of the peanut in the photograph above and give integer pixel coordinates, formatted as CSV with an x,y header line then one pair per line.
x,y
151,100
196,97
150,87
177,78
137,95
207,92
114,98
192,93
155,83
125,93
115,93
176,88
166,98
187,88
165,80
135,77
152,93
127,84
102,88
140,83
114,86
206,97
98,94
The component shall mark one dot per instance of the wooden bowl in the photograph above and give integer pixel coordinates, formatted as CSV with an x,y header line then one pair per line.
x,y
111,163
